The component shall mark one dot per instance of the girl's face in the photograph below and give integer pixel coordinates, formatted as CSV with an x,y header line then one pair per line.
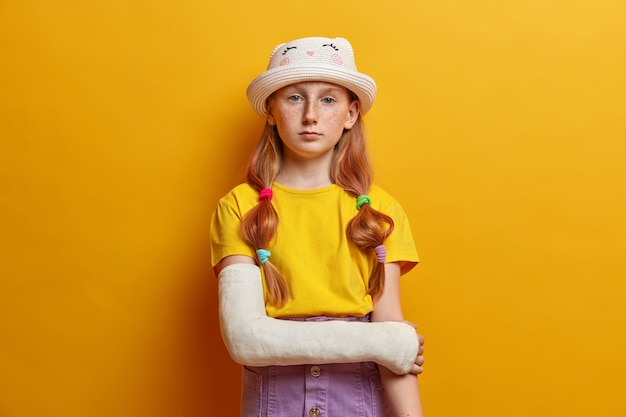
x,y
311,116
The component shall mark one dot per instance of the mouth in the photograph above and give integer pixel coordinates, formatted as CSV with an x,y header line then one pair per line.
x,y
310,135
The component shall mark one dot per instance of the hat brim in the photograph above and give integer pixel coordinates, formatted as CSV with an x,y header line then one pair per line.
x,y
274,79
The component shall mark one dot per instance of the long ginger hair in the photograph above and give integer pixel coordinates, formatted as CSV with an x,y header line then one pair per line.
x,y
350,169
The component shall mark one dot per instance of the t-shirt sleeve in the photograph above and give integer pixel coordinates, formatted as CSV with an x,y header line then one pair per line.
x,y
226,238
400,245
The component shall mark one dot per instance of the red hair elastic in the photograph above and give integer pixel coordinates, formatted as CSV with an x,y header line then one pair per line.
x,y
265,193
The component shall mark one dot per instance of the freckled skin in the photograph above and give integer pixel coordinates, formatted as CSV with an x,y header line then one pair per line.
x,y
310,118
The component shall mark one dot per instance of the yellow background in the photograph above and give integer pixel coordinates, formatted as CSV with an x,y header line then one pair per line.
x,y
499,125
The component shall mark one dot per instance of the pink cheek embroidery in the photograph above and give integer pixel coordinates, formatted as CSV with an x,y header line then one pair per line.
x,y
337,59
310,53
284,61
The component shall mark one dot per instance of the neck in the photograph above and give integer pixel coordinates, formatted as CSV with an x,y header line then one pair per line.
x,y
305,174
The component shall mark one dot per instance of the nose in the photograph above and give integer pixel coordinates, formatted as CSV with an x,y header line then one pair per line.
x,y
310,112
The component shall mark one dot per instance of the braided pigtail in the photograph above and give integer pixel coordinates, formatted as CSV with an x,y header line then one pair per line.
x,y
352,171
260,224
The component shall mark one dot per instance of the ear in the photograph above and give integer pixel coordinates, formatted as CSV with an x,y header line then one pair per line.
x,y
270,113
353,114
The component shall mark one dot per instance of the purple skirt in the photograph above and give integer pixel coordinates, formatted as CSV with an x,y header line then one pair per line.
x,y
314,390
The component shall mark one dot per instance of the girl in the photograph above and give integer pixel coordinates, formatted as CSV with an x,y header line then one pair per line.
x,y
309,253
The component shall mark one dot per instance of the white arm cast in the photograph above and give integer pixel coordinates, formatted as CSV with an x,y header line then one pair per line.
x,y
254,339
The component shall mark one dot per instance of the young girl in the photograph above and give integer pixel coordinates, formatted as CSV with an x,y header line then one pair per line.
x,y
309,253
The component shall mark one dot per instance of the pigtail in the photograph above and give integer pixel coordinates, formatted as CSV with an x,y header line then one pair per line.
x,y
352,171
260,224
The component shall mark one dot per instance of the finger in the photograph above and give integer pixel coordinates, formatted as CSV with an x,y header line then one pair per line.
x,y
420,338
420,361
416,370
420,351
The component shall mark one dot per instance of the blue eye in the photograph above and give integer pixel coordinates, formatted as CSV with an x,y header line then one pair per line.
x,y
328,100
294,97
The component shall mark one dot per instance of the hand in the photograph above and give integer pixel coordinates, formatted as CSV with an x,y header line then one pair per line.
x,y
419,359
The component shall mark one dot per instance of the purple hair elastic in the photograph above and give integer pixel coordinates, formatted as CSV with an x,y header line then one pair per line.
x,y
266,193
381,253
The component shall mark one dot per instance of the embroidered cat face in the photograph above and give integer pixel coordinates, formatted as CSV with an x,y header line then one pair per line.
x,y
320,51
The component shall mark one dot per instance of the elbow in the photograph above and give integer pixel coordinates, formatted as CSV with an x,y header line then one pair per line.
x,y
236,354
242,346
234,345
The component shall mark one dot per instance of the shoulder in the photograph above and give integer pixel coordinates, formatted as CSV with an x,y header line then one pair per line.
x,y
242,196
380,197
241,191
376,190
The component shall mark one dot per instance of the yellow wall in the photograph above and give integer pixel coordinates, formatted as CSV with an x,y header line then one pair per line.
x,y
500,126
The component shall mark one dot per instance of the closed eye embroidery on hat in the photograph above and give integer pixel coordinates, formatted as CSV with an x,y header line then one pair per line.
x,y
332,46
288,48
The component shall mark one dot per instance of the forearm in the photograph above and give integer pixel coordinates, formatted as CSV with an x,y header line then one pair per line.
x,y
402,393
252,338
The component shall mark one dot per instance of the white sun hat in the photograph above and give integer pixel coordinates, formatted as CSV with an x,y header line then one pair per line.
x,y
311,59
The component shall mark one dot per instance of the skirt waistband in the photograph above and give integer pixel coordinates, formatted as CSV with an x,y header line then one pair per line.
x,y
365,318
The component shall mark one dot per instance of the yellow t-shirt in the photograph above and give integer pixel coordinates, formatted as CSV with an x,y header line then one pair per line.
x,y
326,273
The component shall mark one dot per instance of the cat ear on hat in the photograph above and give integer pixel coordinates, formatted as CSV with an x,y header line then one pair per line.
x,y
276,48
345,44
